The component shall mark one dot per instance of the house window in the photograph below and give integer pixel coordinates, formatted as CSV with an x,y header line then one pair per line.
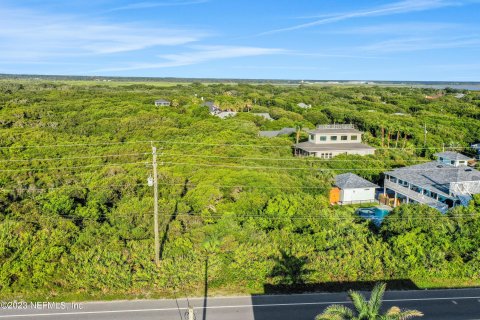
x,y
333,138
353,138
344,138
322,155
452,162
323,138
330,155
312,137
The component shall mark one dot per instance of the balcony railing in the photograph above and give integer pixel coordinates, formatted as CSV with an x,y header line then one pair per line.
x,y
442,207
336,126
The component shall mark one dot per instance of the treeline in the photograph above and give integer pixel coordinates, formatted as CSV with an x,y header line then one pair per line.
x,y
76,210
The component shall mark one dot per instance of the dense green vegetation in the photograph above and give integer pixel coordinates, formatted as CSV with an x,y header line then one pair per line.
x,y
76,211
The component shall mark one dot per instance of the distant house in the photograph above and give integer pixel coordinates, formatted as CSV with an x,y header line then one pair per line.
x,y
350,188
264,115
441,184
399,114
459,95
304,106
435,96
162,103
225,114
276,133
212,107
327,141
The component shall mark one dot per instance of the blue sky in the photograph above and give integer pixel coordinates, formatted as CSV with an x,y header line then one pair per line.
x,y
436,40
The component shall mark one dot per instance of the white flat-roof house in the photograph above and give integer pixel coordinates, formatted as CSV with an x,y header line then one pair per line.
x,y
441,184
162,103
327,141
351,188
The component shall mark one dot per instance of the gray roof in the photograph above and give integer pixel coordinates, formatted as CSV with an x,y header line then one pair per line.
x,y
265,115
312,147
212,107
452,155
334,131
435,176
209,104
162,101
303,105
276,133
225,114
352,181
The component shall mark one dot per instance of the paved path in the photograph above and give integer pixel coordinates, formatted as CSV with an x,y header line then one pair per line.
x,y
436,304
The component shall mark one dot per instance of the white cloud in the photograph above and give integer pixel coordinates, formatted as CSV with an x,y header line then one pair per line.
x,y
390,9
25,34
198,55
401,28
422,43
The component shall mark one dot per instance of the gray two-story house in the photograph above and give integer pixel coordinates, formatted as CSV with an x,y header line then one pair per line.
x,y
441,184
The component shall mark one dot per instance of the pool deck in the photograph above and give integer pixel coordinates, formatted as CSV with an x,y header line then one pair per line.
x,y
385,207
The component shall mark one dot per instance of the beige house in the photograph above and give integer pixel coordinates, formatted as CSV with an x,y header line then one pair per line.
x,y
328,141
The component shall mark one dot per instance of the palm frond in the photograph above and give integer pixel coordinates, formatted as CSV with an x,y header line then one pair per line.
x,y
358,301
407,314
335,312
393,311
376,297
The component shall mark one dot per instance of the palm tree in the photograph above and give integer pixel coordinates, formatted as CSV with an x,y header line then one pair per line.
x,y
367,310
298,127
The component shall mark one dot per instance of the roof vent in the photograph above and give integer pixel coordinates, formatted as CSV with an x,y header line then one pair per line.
x,y
439,166
468,169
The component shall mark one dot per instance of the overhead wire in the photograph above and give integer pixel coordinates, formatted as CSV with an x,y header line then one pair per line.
x,y
75,158
74,167
325,216
202,144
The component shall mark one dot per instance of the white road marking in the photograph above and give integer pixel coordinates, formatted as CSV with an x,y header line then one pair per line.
x,y
220,307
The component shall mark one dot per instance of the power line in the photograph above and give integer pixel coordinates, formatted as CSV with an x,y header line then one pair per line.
x,y
75,167
295,217
73,145
200,143
74,158
292,168
72,185
313,159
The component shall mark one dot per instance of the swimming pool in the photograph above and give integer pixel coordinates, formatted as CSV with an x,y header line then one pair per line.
x,y
373,213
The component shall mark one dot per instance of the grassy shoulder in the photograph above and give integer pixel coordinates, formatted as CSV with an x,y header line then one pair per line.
x,y
232,290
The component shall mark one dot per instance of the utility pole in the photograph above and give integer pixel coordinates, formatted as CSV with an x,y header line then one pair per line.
x,y
155,206
191,314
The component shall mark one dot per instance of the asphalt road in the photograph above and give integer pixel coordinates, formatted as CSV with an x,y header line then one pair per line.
x,y
435,304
